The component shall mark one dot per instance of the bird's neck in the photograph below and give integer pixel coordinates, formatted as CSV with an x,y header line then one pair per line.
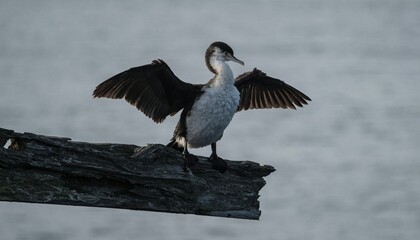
x,y
224,75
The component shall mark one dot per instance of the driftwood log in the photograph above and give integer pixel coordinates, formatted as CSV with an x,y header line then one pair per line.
x,y
56,170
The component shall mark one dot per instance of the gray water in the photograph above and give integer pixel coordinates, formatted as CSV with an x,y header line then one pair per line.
x,y
347,165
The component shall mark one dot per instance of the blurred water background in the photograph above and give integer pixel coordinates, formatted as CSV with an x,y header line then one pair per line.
x,y
348,164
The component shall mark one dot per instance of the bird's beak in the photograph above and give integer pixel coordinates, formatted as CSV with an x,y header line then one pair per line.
x,y
234,59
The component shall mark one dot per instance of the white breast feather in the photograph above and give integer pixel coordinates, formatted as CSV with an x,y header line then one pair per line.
x,y
210,115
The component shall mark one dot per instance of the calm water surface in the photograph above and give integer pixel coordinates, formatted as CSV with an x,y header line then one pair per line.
x,y
348,164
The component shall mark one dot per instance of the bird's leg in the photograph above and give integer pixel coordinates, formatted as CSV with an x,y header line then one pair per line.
x,y
190,160
217,162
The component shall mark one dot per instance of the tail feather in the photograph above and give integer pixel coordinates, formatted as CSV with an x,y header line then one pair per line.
x,y
175,145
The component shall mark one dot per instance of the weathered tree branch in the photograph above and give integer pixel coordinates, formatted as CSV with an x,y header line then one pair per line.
x,y
54,170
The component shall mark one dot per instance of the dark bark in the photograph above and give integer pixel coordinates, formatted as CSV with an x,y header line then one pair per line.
x,y
55,170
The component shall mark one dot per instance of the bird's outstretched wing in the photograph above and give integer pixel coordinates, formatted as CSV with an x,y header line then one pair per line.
x,y
153,88
261,91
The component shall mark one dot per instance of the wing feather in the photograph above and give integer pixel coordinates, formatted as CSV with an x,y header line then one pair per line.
x,y
153,89
261,91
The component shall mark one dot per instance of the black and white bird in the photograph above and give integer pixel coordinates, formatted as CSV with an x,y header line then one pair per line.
x,y
207,109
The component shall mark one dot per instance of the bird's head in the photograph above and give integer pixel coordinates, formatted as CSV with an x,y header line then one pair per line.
x,y
219,51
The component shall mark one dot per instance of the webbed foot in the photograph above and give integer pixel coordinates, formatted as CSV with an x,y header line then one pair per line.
x,y
189,161
218,163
